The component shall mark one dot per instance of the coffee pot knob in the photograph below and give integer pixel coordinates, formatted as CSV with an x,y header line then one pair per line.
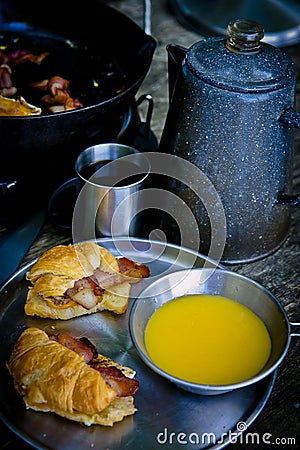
x,y
244,36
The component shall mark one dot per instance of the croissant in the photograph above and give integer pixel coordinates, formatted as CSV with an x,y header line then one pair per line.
x,y
68,281
52,377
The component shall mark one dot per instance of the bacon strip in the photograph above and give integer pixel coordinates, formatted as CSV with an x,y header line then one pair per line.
x,y
82,347
85,283
132,269
88,291
12,59
91,346
57,95
6,87
130,272
107,280
123,385
20,56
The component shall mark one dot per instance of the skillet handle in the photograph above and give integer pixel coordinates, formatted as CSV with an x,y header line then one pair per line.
x,y
145,140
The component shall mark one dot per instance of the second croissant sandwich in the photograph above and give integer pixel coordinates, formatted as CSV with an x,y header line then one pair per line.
x,y
67,376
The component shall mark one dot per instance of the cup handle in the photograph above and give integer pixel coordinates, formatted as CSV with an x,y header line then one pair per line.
x,y
53,212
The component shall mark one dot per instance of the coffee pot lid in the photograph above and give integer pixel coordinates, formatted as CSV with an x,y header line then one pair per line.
x,y
241,62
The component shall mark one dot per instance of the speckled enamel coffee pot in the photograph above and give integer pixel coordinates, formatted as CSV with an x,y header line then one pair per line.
x,y
232,115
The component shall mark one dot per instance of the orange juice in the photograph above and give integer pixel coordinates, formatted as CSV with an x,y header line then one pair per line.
x,y
207,339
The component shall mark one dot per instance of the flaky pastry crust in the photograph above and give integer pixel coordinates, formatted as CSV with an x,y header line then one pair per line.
x,y
51,377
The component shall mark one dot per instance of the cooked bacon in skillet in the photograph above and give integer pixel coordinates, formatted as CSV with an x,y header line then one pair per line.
x,y
57,97
8,61
6,87
20,56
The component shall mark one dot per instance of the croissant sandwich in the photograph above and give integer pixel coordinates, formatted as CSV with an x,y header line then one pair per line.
x,y
72,280
67,376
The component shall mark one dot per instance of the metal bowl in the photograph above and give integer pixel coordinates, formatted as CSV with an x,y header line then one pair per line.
x,y
215,282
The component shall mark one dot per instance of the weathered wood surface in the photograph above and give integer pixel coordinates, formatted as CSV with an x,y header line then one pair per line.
x,y
280,272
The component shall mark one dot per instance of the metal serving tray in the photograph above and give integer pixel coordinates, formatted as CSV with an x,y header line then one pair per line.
x,y
167,416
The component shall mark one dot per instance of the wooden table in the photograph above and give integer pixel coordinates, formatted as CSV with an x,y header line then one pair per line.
x,y
279,422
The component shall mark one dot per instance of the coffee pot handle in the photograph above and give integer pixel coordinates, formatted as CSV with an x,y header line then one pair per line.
x,y
290,117
289,199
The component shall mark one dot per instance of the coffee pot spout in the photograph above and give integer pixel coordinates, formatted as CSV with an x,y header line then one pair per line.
x,y
176,55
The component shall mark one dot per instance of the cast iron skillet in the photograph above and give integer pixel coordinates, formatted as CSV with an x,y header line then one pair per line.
x,y
86,41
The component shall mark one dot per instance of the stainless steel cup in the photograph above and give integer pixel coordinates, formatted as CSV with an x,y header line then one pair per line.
x,y
109,200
